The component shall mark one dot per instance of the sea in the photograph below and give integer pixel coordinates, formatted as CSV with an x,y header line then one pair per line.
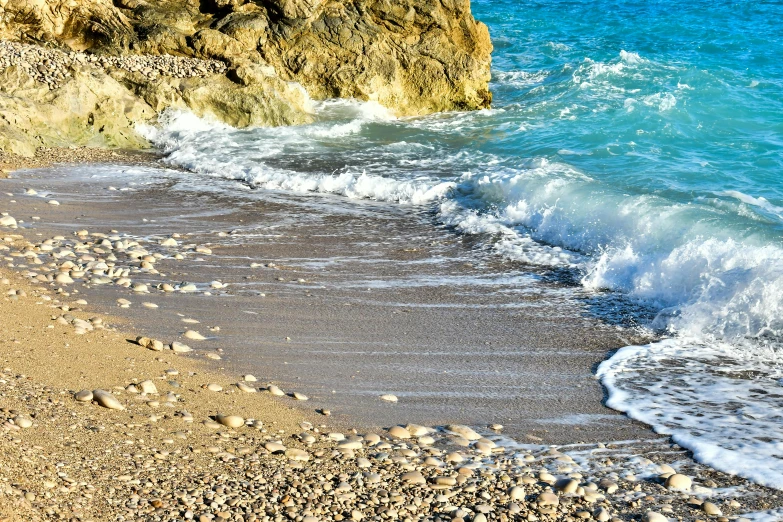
x,y
634,150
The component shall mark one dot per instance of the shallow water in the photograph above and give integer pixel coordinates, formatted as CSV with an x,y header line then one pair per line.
x,y
345,302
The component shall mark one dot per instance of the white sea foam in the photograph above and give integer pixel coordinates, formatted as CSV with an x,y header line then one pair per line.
x,y
719,400
215,149
520,78
760,203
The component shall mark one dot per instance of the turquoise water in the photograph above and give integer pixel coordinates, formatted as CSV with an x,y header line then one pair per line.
x,y
680,99
638,146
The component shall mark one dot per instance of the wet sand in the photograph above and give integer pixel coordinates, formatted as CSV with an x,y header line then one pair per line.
x,y
359,300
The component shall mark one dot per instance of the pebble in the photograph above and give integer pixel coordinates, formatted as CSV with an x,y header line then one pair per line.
x,y
297,454
274,390
547,499
194,335
179,347
413,477
567,485
389,398
399,432
274,447
23,422
245,388
516,493
107,400
249,378
653,516
231,421
147,387
711,509
214,387
678,481
463,431
151,344
83,396
300,396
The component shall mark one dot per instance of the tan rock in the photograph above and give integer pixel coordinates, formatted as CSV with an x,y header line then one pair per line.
x,y
399,432
231,421
297,454
678,481
413,477
463,431
107,400
90,108
547,499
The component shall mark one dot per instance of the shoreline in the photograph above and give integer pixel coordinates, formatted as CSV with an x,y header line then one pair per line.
x,y
51,388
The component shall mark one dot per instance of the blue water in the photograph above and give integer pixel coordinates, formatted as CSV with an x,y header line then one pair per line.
x,y
680,99
638,145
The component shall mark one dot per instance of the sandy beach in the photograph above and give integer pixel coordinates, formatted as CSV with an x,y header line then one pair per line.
x,y
165,455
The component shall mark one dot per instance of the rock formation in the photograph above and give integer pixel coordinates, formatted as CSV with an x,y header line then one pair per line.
x,y
245,62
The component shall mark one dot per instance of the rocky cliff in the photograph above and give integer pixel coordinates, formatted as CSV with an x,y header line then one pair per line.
x,y
246,62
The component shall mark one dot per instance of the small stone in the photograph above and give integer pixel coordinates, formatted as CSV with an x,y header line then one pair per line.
x,y
8,221
607,485
516,493
602,514
463,431
399,432
179,347
231,421
274,390
107,400
567,485
547,499
63,279
249,378
350,445
22,422
711,509
150,344
83,396
300,396
274,447
678,481
413,477
214,387
245,388
194,335
389,398
147,387
652,516
297,454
